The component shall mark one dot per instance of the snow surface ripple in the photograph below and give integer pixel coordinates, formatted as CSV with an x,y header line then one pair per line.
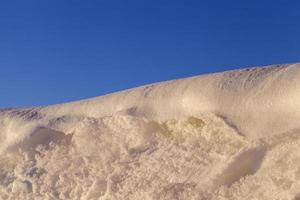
x,y
231,135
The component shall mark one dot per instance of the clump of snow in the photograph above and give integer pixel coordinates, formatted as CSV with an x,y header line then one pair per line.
x,y
231,135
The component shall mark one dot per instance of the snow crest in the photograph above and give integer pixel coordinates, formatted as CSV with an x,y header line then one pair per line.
x,y
230,135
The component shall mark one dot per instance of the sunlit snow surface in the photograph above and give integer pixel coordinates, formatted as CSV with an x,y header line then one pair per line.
x,y
231,135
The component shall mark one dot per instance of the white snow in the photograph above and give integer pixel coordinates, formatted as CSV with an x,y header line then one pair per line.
x,y
230,135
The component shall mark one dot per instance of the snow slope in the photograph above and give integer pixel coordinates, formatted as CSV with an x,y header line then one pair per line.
x,y
230,135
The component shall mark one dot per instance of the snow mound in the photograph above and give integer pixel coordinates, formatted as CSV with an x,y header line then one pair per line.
x,y
230,135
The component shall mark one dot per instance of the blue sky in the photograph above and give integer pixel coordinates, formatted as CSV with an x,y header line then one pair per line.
x,y
57,51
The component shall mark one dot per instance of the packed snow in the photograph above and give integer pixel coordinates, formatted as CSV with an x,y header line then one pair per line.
x,y
231,135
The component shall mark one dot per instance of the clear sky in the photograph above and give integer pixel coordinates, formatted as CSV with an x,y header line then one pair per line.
x,y
53,51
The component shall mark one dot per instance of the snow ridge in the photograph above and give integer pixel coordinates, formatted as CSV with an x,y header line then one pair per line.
x,y
230,135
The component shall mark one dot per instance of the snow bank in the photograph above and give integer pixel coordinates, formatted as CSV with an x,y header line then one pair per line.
x,y
231,135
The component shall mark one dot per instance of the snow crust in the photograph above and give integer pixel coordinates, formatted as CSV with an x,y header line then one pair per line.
x,y
230,135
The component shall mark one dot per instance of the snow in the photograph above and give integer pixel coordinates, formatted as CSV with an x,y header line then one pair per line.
x,y
230,135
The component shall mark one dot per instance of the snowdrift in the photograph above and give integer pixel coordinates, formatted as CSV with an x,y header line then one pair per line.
x,y
230,135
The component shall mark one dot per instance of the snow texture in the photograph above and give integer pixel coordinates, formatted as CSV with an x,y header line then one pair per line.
x,y
231,135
